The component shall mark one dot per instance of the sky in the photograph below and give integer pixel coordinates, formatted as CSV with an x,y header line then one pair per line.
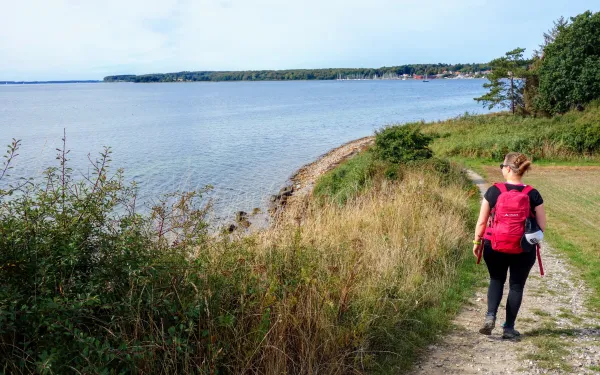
x,y
89,39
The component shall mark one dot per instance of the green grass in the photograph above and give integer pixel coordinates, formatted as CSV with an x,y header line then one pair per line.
x,y
568,314
550,350
571,138
348,179
549,354
540,312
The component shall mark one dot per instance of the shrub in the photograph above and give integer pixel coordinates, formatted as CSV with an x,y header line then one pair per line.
x,y
399,144
88,283
584,138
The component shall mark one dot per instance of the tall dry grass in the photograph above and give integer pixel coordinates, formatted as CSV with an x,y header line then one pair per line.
x,y
373,263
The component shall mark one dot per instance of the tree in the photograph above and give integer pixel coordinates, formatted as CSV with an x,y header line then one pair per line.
x,y
532,84
569,72
551,35
507,81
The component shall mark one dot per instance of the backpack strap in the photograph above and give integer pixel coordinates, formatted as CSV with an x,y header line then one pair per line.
x,y
503,189
539,258
527,189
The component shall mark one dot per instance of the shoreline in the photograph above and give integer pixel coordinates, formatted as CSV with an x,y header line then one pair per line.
x,y
292,199
289,204
294,80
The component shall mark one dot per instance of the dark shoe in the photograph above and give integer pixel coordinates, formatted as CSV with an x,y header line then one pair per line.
x,y
510,333
488,325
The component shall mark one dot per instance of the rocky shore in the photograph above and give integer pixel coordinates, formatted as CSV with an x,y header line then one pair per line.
x,y
291,201
289,204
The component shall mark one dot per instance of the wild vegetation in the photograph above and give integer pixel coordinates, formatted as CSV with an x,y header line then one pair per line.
x,y
297,74
90,285
573,136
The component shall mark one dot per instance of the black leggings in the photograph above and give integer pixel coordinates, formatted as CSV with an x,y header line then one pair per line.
x,y
498,265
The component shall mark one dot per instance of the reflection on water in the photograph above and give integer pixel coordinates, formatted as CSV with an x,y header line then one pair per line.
x,y
244,138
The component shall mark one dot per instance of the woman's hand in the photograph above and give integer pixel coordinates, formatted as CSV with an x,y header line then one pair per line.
x,y
477,250
484,214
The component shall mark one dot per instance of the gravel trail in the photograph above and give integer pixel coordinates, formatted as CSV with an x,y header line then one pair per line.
x,y
560,335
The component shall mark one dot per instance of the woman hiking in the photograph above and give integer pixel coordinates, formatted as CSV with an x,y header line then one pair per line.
x,y
501,227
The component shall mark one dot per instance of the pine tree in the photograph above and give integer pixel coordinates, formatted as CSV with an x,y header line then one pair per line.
x,y
507,81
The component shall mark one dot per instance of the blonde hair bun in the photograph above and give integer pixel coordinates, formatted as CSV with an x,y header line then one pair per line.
x,y
519,163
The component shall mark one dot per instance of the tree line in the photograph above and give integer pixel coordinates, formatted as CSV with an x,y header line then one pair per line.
x,y
563,74
299,74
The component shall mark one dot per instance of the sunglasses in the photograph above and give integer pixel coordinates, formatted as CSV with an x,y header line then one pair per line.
x,y
504,165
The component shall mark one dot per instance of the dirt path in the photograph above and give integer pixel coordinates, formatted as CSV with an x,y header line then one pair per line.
x,y
560,335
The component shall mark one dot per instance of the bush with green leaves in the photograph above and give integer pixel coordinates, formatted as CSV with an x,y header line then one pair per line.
x,y
583,139
90,285
402,143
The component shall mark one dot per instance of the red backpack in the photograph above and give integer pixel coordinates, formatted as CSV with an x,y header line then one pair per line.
x,y
507,221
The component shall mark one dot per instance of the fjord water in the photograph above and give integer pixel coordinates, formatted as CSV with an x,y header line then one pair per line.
x,y
244,138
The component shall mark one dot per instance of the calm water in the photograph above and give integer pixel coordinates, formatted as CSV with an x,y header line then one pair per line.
x,y
244,138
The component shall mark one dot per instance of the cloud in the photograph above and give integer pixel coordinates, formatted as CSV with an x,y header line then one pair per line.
x,y
60,39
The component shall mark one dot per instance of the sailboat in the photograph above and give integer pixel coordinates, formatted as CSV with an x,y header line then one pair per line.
x,y
425,80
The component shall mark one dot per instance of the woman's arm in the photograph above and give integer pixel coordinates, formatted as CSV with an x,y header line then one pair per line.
x,y
540,216
484,214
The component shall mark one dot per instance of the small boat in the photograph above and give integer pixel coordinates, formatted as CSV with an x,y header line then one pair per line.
x,y
425,80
